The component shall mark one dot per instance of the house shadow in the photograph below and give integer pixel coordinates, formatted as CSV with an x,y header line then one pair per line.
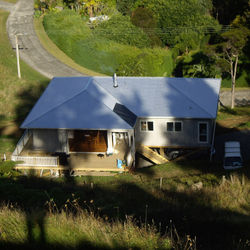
x,y
27,98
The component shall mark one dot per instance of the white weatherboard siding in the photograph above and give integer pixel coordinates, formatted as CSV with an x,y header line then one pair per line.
x,y
188,137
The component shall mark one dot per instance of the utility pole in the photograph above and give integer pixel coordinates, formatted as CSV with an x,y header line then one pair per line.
x,y
17,58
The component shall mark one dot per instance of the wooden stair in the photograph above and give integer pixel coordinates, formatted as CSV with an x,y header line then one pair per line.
x,y
151,155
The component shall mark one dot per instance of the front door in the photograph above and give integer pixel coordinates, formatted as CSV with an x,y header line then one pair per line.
x,y
88,141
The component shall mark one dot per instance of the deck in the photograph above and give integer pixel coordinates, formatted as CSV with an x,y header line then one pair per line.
x,y
77,162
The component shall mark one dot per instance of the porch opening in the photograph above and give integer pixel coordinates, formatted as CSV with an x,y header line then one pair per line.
x,y
88,141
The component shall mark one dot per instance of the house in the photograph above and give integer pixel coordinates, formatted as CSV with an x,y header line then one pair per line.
x,y
103,121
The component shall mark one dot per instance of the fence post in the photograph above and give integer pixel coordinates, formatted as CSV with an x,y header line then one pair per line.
x,y
161,182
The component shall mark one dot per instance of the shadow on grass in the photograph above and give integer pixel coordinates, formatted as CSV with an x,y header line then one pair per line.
x,y
81,245
193,213
27,98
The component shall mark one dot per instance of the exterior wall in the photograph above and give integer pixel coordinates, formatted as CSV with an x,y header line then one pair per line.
x,y
56,140
160,137
50,140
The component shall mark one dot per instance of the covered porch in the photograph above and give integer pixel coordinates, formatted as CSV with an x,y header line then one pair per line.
x,y
85,150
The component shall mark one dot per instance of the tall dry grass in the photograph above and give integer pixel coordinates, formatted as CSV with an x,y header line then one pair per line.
x,y
74,230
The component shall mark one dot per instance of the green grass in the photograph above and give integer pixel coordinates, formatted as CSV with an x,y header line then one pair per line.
x,y
232,119
7,144
237,112
241,82
71,34
17,96
70,210
56,52
72,232
10,1
10,85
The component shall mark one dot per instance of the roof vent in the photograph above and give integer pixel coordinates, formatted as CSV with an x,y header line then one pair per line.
x,y
115,84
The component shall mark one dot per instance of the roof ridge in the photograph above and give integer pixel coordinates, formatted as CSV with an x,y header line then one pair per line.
x,y
101,87
58,105
190,99
105,103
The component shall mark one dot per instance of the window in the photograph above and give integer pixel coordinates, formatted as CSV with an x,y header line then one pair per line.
x,y
170,126
174,126
150,126
203,132
178,126
147,126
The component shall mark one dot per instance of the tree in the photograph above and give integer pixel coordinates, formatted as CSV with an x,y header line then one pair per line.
x,y
125,6
227,10
144,18
183,22
227,52
120,29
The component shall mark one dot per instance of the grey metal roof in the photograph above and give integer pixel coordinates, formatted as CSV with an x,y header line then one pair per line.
x,y
93,102
75,103
166,97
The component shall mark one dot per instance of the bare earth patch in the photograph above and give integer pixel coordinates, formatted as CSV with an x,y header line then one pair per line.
x,y
237,122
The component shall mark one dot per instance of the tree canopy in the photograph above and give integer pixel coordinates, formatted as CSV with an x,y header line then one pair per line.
x,y
227,51
120,29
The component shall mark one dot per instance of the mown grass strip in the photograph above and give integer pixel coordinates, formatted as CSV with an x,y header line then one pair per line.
x,y
10,1
56,52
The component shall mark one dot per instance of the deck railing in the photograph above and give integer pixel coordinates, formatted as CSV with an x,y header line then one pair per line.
x,y
32,161
51,161
22,142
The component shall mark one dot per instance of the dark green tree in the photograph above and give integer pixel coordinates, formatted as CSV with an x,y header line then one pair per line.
x,y
227,52
120,29
227,10
125,6
181,22
144,18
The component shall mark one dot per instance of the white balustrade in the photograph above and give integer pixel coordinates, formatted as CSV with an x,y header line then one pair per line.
x,y
51,161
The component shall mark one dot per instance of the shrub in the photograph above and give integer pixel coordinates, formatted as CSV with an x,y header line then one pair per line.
x,y
120,29
6,169
144,18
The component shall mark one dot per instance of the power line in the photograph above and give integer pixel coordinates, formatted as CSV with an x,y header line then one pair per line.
x,y
168,30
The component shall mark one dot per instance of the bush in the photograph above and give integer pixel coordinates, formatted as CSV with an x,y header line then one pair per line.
x,y
148,62
6,169
120,29
144,18
47,5
175,17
